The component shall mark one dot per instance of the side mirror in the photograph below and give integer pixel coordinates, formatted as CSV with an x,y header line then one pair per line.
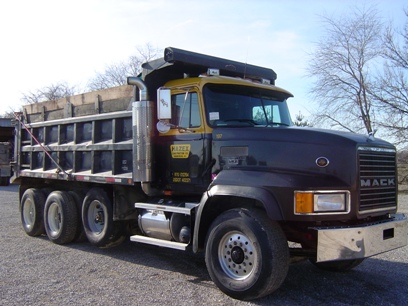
x,y
163,104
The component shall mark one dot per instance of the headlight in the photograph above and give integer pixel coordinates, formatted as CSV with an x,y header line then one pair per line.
x,y
317,202
330,202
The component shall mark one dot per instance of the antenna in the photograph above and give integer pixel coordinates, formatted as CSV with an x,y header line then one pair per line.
x,y
246,55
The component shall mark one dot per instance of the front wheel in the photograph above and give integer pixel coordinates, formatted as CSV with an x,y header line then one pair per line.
x,y
246,254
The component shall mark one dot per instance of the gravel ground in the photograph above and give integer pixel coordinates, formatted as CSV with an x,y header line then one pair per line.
x,y
34,271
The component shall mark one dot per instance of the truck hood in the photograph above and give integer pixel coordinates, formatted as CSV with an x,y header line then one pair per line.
x,y
292,149
299,135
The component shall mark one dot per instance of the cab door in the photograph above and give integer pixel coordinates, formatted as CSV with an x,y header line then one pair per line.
x,y
184,149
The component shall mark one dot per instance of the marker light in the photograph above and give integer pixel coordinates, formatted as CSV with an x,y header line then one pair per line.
x,y
304,202
213,71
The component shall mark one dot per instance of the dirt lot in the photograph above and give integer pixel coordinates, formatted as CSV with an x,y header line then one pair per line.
x,y
34,271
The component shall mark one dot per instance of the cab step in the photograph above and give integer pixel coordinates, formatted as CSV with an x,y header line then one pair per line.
x,y
159,242
186,210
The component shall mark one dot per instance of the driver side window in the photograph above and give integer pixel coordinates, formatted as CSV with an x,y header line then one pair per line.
x,y
185,110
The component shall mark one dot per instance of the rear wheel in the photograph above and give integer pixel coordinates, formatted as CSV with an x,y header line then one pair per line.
x,y
78,199
338,266
31,209
97,218
61,217
246,254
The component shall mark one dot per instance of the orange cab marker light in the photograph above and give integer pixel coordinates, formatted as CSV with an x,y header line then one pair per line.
x,y
304,202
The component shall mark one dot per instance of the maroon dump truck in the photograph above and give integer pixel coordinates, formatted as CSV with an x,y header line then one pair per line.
x,y
200,154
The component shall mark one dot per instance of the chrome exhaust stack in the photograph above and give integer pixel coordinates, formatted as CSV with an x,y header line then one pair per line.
x,y
142,122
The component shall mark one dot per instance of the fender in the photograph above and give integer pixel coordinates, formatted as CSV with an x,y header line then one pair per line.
x,y
229,183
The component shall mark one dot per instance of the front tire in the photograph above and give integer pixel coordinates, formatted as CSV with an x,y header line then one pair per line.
x,y
246,254
31,212
61,217
97,218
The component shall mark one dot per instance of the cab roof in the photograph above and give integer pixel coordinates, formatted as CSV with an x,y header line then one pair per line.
x,y
179,64
203,80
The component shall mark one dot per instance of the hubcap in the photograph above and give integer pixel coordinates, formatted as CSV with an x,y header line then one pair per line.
x,y
54,219
96,217
29,213
237,255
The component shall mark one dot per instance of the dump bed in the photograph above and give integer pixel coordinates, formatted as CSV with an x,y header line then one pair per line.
x,y
87,137
91,103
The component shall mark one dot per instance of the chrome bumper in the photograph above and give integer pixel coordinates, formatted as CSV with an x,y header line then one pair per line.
x,y
335,243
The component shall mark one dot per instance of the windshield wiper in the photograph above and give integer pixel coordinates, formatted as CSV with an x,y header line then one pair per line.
x,y
252,122
277,123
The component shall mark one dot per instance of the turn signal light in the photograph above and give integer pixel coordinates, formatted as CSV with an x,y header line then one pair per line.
x,y
304,202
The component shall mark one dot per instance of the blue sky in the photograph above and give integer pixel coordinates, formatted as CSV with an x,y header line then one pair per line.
x,y
49,41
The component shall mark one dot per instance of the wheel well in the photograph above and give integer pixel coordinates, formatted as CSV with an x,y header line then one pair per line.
x,y
218,204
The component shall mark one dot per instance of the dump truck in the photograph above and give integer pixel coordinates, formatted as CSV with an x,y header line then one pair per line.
x,y
199,153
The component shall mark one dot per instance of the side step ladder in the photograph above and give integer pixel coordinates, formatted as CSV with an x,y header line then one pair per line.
x,y
164,208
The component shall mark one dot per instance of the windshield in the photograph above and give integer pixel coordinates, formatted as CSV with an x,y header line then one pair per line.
x,y
232,105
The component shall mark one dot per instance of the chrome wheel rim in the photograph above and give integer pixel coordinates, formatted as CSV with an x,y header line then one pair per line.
x,y
54,219
29,213
237,255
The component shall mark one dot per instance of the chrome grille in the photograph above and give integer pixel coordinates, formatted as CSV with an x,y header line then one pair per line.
x,y
378,179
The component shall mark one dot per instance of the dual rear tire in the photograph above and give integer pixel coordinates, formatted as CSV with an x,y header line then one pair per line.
x,y
66,216
31,211
97,218
60,217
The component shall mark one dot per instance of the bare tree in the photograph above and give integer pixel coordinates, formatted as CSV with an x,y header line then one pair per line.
x,y
8,114
391,90
49,93
393,51
342,68
116,74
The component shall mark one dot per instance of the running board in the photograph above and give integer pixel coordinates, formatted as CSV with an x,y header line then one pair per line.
x,y
159,242
175,209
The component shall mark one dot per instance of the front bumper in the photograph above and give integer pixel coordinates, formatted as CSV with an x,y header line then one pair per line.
x,y
344,243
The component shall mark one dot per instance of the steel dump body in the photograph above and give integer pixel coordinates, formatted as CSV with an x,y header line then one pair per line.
x,y
91,147
82,147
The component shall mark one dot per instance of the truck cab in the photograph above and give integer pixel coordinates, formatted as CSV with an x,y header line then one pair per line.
x,y
202,106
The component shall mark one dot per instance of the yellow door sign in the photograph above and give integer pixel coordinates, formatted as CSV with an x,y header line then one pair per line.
x,y
180,150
